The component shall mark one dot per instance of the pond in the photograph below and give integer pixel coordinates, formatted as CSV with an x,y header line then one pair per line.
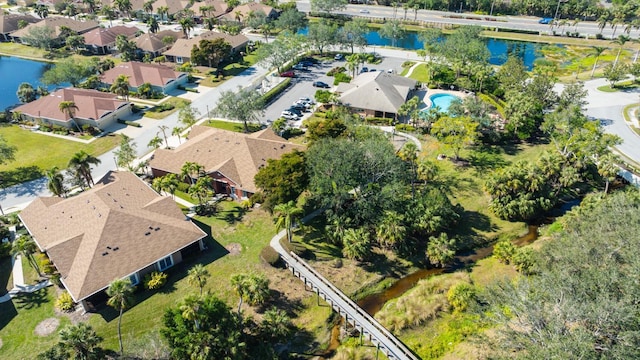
x,y
13,72
498,48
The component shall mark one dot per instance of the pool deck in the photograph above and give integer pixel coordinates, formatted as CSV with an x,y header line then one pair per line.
x,y
425,94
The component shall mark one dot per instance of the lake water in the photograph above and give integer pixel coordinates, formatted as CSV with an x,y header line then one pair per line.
x,y
13,72
498,48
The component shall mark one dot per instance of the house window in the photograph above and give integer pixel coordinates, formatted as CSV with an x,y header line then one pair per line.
x,y
179,59
165,263
134,278
233,191
244,194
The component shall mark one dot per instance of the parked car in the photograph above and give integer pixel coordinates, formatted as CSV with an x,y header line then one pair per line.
x,y
338,57
288,74
299,106
364,11
321,84
391,71
372,70
294,110
307,100
305,105
288,115
364,70
545,21
300,67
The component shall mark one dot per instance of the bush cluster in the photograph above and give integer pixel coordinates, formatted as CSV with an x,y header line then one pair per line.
x,y
64,302
270,256
273,93
336,70
155,280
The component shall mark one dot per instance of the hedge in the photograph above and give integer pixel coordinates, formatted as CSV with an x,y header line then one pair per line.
x,y
273,93
130,123
378,121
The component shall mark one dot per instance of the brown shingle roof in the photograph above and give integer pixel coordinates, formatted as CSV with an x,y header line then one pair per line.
x,y
153,42
92,104
140,73
246,8
9,23
378,90
183,47
174,6
219,7
116,228
56,23
104,37
237,156
135,4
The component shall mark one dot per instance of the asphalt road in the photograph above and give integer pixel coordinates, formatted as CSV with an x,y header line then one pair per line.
x,y
505,22
302,85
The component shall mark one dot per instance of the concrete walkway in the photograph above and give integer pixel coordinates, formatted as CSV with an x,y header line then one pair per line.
x,y
18,281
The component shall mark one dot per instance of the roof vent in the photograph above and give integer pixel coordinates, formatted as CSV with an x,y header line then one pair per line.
x,y
114,200
121,207
99,215
150,227
94,207
147,233
116,248
105,253
109,247
283,146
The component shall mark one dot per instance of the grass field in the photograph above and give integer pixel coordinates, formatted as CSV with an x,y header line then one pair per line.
x,y
155,113
231,126
230,70
37,153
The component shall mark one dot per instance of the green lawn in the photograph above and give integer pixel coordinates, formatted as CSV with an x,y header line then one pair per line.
x,y
231,126
230,70
37,153
620,86
420,73
11,48
156,113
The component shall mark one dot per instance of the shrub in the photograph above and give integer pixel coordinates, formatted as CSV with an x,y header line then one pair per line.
x,y
270,256
460,296
292,132
408,64
405,127
524,261
341,77
504,250
378,121
189,89
45,264
5,249
323,96
336,70
183,186
273,93
129,123
257,198
166,106
64,302
155,280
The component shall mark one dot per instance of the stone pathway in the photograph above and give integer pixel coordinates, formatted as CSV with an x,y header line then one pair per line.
x,y
18,282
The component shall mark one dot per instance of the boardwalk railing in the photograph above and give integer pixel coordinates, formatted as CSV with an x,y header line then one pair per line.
x,y
369,327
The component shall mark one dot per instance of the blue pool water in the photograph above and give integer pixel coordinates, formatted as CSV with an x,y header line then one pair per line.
x,y
13,72
442,101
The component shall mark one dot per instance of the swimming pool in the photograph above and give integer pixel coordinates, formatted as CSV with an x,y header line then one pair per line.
x,y
442,101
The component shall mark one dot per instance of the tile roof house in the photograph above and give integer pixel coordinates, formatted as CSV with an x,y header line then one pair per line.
x,y
95,108
242,11
119,228
161,77
102,41
180,52
174,6
232,159
136,5
152,44
10,23
56,24
377,93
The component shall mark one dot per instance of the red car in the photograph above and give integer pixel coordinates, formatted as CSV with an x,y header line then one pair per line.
x,y
288,74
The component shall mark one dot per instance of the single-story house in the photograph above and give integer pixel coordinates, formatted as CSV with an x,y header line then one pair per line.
x,y
173,6
9,23
120,228
95,108
180,52
136,5
56,24
161,77
376,93
102,41
152,44
241,12
231,159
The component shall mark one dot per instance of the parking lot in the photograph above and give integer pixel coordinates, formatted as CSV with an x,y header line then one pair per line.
x,y
301,86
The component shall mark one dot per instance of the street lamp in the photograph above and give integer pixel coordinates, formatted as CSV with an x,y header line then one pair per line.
x,y
115,162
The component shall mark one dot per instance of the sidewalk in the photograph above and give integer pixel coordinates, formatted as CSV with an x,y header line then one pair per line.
x,y
18,282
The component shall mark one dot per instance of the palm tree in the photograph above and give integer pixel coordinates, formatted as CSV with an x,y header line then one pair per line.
x,y
164,129
253,288
167,183
391,232
276,324
42,11
287,214
191,170
191,309
91,5
81,339
608,169
597,51
148,7
356,244
26,93
187,25
155,142
124,6
120,294
25,246
55,182
176,131
238,281
109,12
620,40
153,25
81,162
69,108
120,86
163,12
202,189
198,276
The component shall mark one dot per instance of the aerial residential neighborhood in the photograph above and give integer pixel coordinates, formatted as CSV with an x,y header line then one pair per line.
x,y
319,179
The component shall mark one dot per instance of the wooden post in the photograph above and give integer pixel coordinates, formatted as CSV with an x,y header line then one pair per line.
x,y
361,335
377,350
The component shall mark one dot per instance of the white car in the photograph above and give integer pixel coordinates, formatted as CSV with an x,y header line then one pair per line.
x,y
364,11
307,100
289,115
